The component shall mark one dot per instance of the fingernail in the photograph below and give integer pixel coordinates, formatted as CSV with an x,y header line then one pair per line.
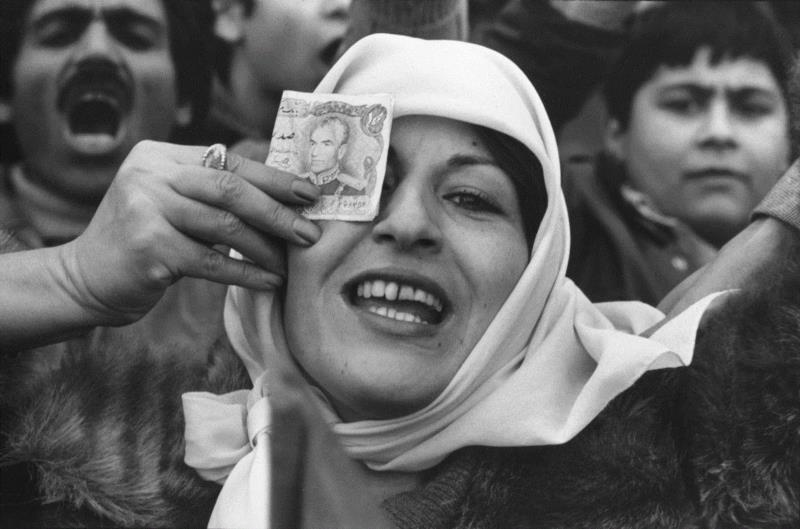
x,y
307,231
269,281
305,190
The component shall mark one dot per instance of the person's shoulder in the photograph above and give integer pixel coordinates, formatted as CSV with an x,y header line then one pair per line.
x,y
626,452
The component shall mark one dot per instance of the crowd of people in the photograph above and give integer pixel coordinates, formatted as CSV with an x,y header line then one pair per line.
x,y
516,340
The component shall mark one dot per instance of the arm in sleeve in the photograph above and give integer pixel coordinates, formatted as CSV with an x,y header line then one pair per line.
x,y
564,57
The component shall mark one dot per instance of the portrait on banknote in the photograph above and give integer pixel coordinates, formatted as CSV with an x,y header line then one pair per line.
x,y
339,143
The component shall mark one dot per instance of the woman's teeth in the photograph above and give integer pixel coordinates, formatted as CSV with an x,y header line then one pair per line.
x,y
397,315
394,292
399,302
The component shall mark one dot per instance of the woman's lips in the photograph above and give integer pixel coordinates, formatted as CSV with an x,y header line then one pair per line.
x,y
406,300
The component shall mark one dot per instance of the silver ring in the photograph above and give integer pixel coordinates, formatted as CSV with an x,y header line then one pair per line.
x,y
216,157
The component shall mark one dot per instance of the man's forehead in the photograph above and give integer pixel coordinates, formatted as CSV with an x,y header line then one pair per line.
x,y
150,8
323,128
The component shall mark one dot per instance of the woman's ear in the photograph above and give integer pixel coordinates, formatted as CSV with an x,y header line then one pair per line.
x,y
229,21
183,114
615,139
5,112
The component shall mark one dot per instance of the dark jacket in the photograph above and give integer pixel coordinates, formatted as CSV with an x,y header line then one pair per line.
x,y
616,251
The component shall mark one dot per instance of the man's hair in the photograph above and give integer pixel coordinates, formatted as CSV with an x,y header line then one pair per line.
x,y
191,40
672,33
340,127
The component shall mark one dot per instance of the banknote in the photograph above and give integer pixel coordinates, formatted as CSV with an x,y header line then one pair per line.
x,y
338,142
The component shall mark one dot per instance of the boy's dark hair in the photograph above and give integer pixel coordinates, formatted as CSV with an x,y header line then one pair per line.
x,y
191,42
670,35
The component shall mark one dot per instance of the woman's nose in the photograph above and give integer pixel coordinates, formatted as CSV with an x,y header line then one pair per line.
x,y
718,129
408,220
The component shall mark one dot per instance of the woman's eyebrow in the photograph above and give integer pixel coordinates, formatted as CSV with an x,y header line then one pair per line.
x,y
462,160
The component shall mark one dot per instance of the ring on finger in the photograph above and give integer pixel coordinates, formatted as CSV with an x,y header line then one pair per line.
x,y
216,157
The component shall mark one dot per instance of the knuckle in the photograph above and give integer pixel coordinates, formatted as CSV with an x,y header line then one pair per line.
x,y
159,274
229,224
278,217
229,188
213,263
235,162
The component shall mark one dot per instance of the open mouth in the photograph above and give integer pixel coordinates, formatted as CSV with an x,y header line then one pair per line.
x,y
95,100
94,113
402,300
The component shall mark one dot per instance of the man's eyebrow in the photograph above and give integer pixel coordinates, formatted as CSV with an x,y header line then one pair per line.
x,y
128,14
70,13
80,13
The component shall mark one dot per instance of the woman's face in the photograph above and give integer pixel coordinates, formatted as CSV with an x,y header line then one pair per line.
x,y
706,141
381,314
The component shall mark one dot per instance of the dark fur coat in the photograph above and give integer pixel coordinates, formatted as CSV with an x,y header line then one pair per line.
x,y
714,445
93,436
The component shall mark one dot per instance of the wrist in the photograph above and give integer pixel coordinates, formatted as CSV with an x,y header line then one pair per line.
x,y
79,289
40,305
783,201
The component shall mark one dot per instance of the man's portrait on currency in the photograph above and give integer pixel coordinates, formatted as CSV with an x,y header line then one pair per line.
x,y
340,144
327,146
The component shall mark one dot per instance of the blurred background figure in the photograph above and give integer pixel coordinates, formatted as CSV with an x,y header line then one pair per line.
x,y
699,131
81,83
263,48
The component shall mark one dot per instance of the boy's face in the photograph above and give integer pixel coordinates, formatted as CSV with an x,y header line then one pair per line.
x,y
706,141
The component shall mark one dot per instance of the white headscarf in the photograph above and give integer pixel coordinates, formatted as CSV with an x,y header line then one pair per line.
x,y
550,360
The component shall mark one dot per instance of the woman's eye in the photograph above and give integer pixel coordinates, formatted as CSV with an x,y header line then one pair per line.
x,y
473,200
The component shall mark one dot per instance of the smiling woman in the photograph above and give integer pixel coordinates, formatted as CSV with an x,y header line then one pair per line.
x,y
448,212
447,321
432,367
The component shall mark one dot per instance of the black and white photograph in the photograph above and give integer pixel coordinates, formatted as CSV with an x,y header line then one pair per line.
x,y
399,264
